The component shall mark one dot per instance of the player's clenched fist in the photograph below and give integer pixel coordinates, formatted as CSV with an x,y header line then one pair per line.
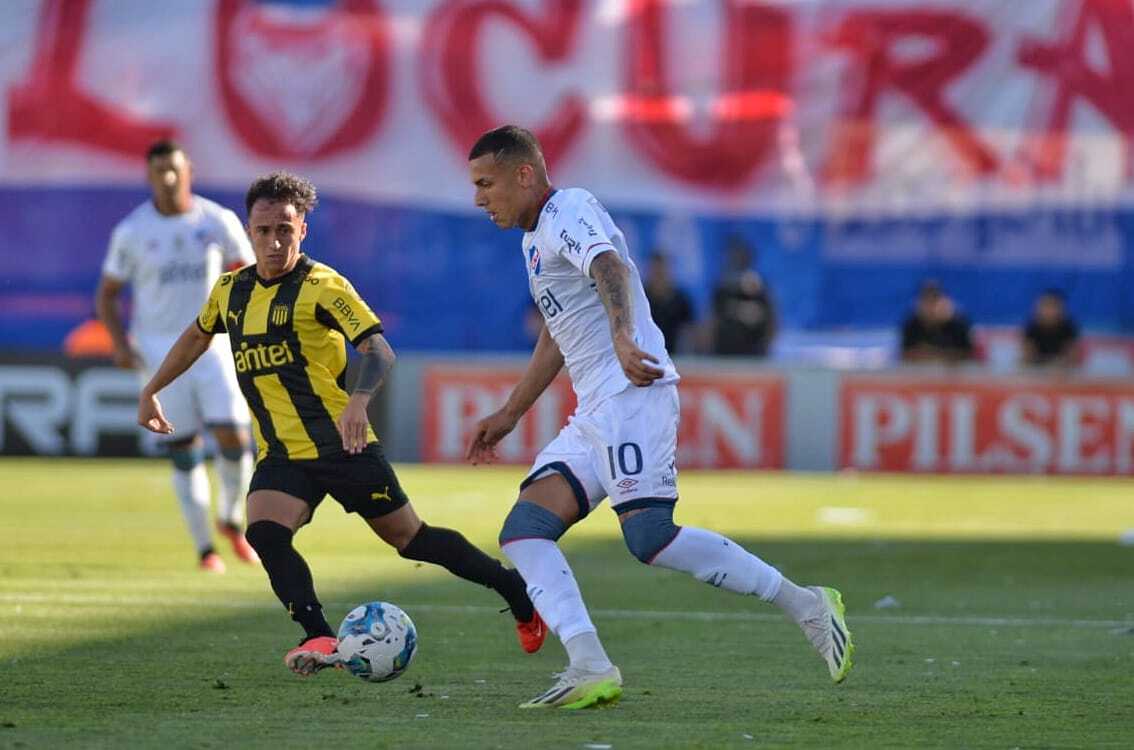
x,y
151,416
635,362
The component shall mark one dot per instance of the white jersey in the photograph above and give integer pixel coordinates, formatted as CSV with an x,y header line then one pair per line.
x,y
172,262
573,228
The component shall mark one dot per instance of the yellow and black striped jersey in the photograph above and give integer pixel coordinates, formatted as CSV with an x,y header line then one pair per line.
x,y
288,342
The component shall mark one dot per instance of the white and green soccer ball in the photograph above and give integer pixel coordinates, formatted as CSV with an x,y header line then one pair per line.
x,y
377,641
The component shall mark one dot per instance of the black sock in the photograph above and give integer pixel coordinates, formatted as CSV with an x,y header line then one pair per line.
x,y
289,575
452,551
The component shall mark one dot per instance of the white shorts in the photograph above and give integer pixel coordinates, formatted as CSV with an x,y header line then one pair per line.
x,y
624,449
205,395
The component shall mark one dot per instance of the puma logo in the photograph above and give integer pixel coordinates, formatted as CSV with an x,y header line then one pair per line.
x,y
383,495
235,317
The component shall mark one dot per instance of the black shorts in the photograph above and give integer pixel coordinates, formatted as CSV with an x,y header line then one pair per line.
x,y
364,483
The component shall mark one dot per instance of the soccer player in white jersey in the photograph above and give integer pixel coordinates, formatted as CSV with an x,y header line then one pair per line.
x,y
170,250
622,440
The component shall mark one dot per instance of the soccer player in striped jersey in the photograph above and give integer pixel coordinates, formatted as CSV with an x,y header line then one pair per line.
x,y
288,318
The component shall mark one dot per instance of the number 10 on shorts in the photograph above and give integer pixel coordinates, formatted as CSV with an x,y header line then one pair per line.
x,y
629,457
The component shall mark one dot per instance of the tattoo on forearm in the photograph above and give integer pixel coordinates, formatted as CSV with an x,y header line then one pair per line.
x,y
377,357
610,281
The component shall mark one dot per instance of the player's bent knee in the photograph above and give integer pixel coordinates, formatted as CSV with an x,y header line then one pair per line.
x,y
232,440
648,532
187,456
267,536
397,529
527,520
232,452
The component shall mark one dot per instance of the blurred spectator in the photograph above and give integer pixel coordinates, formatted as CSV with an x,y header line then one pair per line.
x,y
1050,336
669,306
935,331
744,316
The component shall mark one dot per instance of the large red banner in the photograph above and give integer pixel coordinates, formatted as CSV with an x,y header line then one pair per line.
x,y
927,425
653,101
728,421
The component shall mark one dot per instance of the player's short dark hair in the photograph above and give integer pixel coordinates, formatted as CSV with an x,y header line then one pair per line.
x,y
1054,292
283,186
508,143
164,147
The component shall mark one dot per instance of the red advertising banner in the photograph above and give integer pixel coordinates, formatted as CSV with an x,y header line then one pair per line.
x,y
926,425
727,421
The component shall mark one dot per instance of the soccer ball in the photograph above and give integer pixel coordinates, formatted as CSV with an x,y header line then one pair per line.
x,y
377,641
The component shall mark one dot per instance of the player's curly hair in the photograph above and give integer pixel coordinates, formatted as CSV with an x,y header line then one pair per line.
x,y
286,187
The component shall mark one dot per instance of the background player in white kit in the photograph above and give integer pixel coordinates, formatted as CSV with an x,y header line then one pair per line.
x,y
171,250
622,440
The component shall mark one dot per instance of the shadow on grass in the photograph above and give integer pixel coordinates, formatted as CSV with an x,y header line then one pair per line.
x,y
937,668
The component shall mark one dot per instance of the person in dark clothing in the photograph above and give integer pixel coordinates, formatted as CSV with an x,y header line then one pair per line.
x,y
935,331
1051,337
744,315
669,306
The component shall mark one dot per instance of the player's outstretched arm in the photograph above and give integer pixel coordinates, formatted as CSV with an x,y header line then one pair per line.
x,y
184,352
545,364
377,359
612,281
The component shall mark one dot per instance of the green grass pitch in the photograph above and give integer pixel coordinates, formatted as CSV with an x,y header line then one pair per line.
x,y
1015,626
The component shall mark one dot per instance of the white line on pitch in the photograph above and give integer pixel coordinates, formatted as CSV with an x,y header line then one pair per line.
x,y
96,600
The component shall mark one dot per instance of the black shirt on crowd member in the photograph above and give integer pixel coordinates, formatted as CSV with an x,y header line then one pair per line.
x,y
1050,342
672,311
745,316
949,339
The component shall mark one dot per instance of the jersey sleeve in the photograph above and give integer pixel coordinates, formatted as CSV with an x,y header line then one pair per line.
x,y
119,262
339,307
580,235
234,241
211,318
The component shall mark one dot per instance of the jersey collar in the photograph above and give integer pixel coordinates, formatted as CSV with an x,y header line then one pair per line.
x,y
303,263
542,202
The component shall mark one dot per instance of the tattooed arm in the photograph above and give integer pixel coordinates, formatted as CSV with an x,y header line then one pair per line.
x,y
377,359
612,281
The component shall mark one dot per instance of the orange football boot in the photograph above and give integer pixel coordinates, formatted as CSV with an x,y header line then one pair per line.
x,y
240,545
532,633
211,563
312,655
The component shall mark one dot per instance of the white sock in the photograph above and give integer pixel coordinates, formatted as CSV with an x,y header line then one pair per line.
x,y
555,593
235,475
585,650
712,559
796,602
192,488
